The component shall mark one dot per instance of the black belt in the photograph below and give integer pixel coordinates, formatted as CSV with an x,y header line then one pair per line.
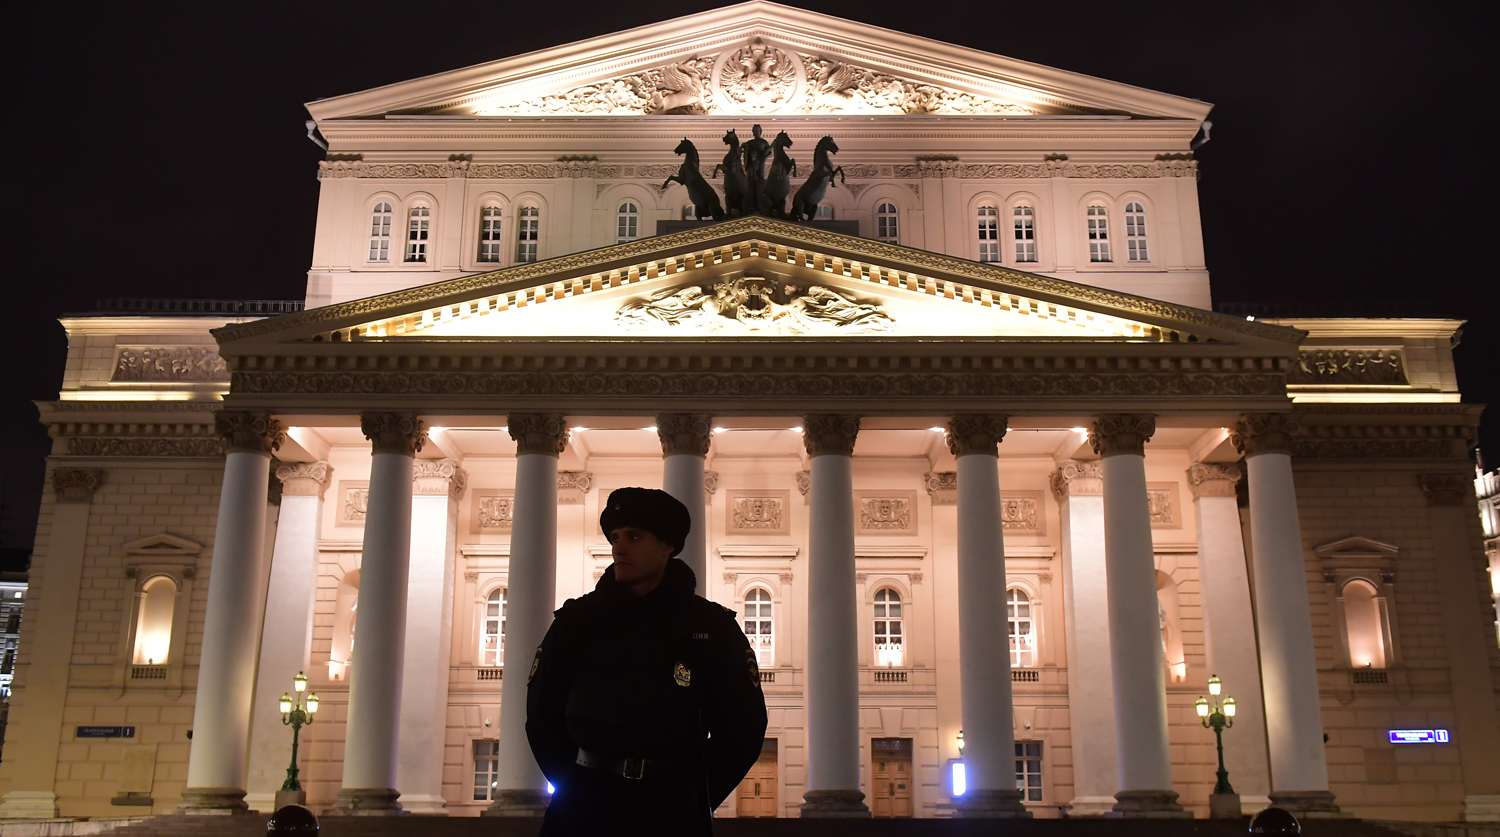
x,y
630,768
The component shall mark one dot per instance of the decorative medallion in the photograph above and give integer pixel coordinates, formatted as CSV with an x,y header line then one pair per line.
x,y
757,78
683,675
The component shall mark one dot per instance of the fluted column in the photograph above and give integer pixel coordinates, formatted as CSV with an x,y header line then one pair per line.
x,y
833,625
372,734
1289,670
684,444
1229,626
1138,665
1079,487
226,673
437,485
530,598
286,639
984,661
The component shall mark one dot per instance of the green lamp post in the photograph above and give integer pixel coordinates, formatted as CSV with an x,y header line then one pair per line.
x,y
294,715
1218,717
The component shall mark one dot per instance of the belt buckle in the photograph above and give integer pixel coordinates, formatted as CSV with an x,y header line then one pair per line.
x,y
639,766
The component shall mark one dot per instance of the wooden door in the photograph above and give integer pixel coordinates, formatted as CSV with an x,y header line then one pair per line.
x,y
893,777
757,794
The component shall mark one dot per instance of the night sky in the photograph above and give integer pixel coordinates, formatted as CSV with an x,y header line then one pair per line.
x,y
158,150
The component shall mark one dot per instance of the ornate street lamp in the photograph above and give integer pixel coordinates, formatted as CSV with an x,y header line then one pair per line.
x,y
295,716
1218,717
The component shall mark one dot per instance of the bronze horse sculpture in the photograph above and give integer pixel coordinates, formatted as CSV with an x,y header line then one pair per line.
x,y
737,201
705,199
805,202
779,181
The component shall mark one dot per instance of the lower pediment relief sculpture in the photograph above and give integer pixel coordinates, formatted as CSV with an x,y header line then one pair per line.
x,y
141,364
755,305
1348,366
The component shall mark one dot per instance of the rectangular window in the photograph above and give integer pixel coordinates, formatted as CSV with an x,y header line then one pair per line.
x,y
489,234
486,770
1029,770
1025,231
380,233
528,229
416,234
989,235
1135,232
1098,234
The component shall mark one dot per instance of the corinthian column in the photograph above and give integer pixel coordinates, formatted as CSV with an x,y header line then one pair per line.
x,y
530,597
1294,720
1229,626
286,640
984,661
1139,668
684,444
437,485
372,734
1079,487
236,602
833,629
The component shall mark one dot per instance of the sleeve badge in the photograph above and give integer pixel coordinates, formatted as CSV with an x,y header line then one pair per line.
x,y
535,662
753,667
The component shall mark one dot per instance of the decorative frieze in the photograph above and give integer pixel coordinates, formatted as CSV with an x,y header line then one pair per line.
x,y
353,497
493,512
572,486
758,511
1121,433
339,169
248,432
1447,489
1259,433
1371,367
754,304
304,479
829,433
976,433
150,447
438,477
545,433
168,364
1163,501
886,512
1212,479
401,433
942,487
76,485
686,433
1078,479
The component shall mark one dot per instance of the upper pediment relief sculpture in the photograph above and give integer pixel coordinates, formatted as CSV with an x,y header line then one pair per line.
x,y
755,304
757,78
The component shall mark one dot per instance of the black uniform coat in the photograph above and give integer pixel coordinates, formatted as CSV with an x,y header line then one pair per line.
x,y
668,677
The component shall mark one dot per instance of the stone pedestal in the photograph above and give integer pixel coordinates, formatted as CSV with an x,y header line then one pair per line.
x,y
287,797
1224,806
523,804
366,802
834,804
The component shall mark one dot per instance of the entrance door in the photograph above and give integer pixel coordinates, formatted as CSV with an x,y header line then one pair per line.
x,y
893,779
757,795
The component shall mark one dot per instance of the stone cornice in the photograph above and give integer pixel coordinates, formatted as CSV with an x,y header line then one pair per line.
x,y
544,433
975,433
1212,479
1386,431
401,433
687,433
1121,433
464,169
830,434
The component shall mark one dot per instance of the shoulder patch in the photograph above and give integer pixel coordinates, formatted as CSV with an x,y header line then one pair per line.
x,y
753,667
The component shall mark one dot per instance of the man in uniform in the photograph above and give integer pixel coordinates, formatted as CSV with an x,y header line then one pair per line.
x,y
643,704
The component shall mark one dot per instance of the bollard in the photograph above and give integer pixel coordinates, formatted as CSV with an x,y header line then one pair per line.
x,y
292,819
1275,821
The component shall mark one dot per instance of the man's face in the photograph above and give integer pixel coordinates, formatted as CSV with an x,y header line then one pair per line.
x,y
640,558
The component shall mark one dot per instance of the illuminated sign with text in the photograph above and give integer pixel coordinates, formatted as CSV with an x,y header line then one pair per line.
x,y
1419,736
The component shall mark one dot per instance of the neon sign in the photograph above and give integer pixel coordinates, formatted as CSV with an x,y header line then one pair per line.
x,y
1419,736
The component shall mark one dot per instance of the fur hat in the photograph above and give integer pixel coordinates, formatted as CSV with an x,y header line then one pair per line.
x,y
650,509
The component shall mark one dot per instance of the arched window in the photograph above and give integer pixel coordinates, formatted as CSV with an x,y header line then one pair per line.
x,y
380,232
627,222
1022,629
492,645
153,627
1362,619
759,626
489,234
885,222
1135,232
1098,234
418,227
989,235
1025,232
823,213
528,230
889,638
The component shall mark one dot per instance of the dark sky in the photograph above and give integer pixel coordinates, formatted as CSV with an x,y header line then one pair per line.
x,y
159,149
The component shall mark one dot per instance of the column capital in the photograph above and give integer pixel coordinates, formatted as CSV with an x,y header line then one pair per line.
x,y
1212,479
304,479
572,485
538,432
942,486
394,432
684,433
438,477
248,432
1258,433
76,485
976,433
1078,479
830,433
1118,433
711,482
1447,489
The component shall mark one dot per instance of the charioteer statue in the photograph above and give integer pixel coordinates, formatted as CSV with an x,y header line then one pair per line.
x,y
749,189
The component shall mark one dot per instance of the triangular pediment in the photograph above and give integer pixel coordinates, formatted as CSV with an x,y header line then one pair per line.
x,y
751,59
758,278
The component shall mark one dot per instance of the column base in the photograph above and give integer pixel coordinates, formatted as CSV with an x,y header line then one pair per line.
x,y
834,804
518,803
1224,806
263,803
1149,804
1305,804
366,802
29,805
991,805
424,805
1477,808
200,802
1091,806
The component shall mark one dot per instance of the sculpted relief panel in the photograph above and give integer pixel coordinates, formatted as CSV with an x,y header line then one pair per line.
x,y
886,512
757,305
154,364
758,512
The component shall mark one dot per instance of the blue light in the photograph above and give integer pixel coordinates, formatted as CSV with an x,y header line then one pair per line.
x,y
960,779
550,789
1418,736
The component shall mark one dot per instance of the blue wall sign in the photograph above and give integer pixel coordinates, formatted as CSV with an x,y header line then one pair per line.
x,y
1419,736
105,732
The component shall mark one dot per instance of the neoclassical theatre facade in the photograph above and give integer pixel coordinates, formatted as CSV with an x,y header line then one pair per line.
x,y
994,490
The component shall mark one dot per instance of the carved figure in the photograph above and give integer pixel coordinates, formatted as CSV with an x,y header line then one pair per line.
x,y
760,77
754,303
772,200
827,306
680,89
756,151
737,200
805,202
689,306
705,199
